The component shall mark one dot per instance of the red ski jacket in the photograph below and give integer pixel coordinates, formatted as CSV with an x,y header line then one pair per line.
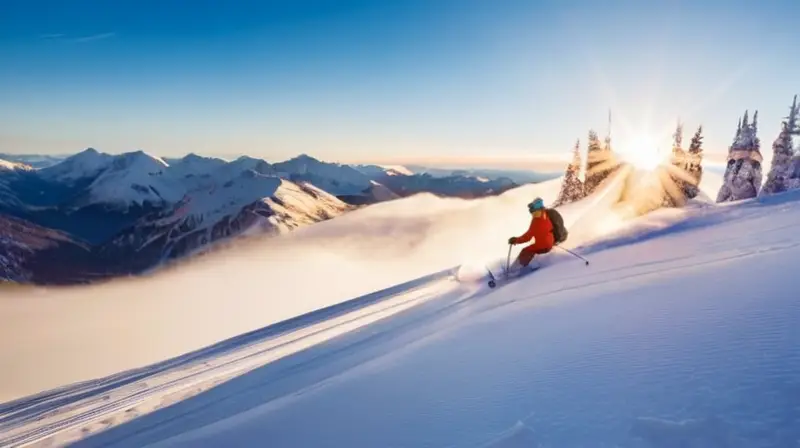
x,y
541,229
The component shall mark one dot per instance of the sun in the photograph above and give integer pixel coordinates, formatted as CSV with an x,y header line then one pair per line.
x,y
641,151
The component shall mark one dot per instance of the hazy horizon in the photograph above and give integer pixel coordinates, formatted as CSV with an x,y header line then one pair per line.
x,y
543,163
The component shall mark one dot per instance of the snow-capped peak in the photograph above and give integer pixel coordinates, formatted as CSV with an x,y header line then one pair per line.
x,y
138,160
13,166
335,178
194,165
86,163
378,171
229,197
248,203
251,163
135,178
396,170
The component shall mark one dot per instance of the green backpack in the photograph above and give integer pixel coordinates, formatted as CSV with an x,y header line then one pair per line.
x,y
560,233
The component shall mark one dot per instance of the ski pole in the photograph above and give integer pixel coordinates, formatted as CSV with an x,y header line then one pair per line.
x,y
573,253
508,260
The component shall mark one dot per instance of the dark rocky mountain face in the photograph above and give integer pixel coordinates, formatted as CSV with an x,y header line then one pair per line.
x,y
54,205
32,253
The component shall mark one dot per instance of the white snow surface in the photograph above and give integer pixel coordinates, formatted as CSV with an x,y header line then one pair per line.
x,y
335,178
680,333
13,166
214,198
133,178
245,163
398,169
86,163
195,165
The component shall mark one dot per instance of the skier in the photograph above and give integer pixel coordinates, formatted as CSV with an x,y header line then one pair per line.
x,y
540,230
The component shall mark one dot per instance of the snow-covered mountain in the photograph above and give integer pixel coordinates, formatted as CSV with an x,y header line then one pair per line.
x,y
193,165
335,178
6,165
365,184
517,176
85,164
34,160
132,178
250,203
374,171
572,355
467,187
137,210
9,172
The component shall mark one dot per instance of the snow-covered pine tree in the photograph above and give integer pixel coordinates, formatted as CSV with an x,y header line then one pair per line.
x,y
725,193
742,179
571,186
782,154
755,142
596,164
738,133
694,163
673,195
794,172
745,124
753,174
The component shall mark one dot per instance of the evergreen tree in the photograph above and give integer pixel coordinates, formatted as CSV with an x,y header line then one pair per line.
x,y
571,186
694,163
742,178
794,172
745,124
755,142
738,133
678,154
782,153
677,142
674,194
596,164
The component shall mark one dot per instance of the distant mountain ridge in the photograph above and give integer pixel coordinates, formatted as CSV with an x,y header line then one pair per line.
x,y
133,211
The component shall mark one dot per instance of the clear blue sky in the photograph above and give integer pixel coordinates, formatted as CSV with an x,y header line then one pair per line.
x,y
346,80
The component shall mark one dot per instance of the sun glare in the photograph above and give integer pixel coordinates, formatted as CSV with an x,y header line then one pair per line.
x,y
642,152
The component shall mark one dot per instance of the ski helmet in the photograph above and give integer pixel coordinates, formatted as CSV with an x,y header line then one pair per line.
x,y
536,204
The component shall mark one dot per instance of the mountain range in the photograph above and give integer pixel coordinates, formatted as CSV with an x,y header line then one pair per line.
x,y
94,215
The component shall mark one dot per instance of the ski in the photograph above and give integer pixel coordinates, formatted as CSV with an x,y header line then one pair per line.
x,y
493,280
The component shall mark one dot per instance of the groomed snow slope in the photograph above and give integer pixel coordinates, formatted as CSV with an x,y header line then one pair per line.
x,y
682,333
571,356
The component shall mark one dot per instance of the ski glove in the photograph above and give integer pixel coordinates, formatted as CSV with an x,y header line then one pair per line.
x,y
512,240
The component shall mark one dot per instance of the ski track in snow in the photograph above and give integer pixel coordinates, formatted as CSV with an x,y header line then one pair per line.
x,y
74,411
677,335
